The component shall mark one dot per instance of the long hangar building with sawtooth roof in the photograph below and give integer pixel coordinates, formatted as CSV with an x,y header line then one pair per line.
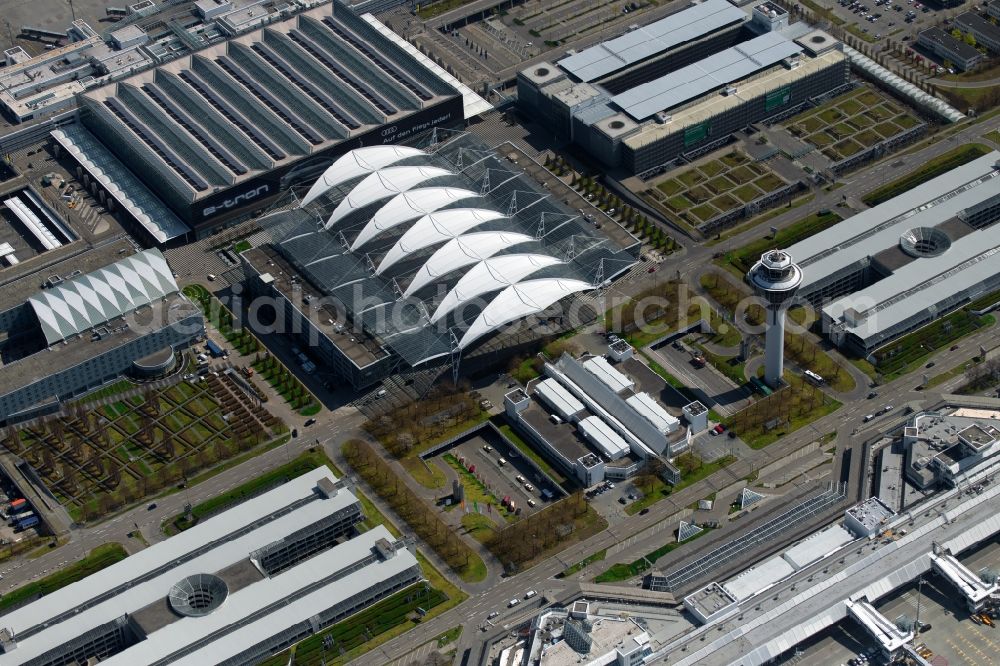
x,y
210,138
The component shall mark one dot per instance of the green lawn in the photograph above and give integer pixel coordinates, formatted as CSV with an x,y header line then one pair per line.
x,y
590,559
621,572
670,187
993,136
745,257
426,473
747,193
479,527
931,169
650,496
355,635
100,558
476,492
713,168
909,352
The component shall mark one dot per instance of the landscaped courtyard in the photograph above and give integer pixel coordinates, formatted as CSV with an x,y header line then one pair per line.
x,y
115,451
701,193
852,122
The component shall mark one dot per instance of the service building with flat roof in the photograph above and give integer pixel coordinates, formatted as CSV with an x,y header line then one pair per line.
x,y
233,589
683,84
897,266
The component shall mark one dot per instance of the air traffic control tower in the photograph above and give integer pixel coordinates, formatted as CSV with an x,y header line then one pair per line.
x,y
775,279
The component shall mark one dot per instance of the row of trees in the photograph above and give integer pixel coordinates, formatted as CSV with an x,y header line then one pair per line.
x,y
408,427
408,505
282,379
519,543
980,376
778,409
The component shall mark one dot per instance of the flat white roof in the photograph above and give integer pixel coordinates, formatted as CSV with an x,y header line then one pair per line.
x,y
247,528
610,376
759,578
869,232
558,398
601,435
242,604
653,412
817,545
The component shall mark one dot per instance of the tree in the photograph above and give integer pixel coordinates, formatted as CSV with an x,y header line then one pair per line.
x,y
970,39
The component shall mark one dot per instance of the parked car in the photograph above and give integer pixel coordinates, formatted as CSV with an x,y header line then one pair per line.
x,y
309,422
644,511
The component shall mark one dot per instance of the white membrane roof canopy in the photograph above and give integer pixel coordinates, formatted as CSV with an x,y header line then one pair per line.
x,y
463,251
408,206
436,228
357,163
520,300
383,184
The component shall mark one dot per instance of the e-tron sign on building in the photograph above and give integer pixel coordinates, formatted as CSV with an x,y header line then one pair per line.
x,y
223,132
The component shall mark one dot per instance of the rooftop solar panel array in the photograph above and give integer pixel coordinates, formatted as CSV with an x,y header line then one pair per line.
x,y
322,256
655,38
699,78
282,91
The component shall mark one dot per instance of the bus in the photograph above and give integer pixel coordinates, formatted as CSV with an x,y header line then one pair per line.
x,y
813,377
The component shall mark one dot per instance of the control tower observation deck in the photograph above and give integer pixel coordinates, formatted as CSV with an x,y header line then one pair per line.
x,y
775,278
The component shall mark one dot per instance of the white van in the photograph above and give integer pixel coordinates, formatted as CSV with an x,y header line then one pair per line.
x,y
502,461
555,419
869,418
529,594
513,602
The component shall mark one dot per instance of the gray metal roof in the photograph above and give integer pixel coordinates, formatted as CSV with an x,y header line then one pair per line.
x,y
852,241
698,78
642,43
246,617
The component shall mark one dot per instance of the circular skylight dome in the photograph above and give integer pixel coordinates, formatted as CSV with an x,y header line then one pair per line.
x,y
198,595
924,242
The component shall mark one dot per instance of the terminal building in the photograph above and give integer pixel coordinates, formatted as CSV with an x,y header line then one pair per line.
x,y
683,84
900,265
206,139
80,331
234,589
598,421
939,447
402,259
575,635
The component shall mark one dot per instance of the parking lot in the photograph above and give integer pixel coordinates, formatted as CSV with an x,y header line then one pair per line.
x,y
719,392
515,478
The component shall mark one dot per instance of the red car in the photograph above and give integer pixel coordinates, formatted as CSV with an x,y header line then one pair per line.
x,y
652,269
719,429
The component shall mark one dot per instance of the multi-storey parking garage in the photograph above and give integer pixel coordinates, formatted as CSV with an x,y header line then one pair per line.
x,y
225,130
399,257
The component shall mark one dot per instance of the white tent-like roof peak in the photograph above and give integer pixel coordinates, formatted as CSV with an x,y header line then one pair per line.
x,y
383,184
356,163
436,228
409,206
